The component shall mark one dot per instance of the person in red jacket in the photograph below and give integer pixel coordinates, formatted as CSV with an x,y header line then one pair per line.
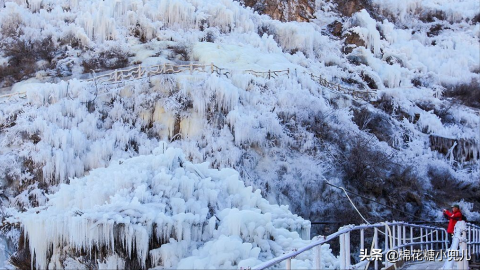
x,y
454,216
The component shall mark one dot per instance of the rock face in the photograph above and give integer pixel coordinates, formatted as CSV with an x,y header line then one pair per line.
x,y
352,40
289,10
303,10
348,7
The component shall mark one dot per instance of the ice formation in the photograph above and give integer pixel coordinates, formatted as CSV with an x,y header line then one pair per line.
x,y
199,217
269,130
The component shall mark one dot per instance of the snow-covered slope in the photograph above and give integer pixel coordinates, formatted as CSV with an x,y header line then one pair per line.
x,y
284,135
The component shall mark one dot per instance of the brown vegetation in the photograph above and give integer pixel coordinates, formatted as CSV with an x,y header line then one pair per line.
x,y
23,57
466,93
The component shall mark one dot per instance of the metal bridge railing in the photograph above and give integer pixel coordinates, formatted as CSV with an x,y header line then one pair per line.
x,y
387,238
470,241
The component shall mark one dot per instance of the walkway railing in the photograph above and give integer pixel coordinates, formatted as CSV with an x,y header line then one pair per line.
x,y
473,239
139,72
387,243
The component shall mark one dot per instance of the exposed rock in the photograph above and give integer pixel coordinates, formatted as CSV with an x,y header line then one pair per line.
x,y
335,28
289,10
369,80
352,40
348,7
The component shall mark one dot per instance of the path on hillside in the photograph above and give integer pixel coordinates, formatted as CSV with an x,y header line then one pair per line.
x,y
140,72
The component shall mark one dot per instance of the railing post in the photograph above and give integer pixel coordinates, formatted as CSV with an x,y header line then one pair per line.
x,y
375,243
289,264
445,239
445,233
428,238
348,262
269,76
421,238
116,78
436,239
469,239
431,239
139,71
399,235
342,251
459,232
317,253
463,262
475,239
387,238
211,67
404,227
191,68
411,239
362,239
393,238
441,245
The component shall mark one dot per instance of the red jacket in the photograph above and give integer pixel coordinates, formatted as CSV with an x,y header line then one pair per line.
x,y
453,217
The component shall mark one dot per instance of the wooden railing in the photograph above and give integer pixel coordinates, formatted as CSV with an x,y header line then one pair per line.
x,y
269,74
355,93
139,72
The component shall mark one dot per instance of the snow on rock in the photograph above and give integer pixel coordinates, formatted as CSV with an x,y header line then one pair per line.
x,y
203,217
453,10
366,28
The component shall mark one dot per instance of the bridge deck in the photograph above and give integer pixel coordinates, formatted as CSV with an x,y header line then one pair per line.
x,y
423,265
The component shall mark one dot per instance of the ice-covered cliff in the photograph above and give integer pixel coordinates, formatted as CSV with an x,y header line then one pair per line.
x,y
160,210
416,140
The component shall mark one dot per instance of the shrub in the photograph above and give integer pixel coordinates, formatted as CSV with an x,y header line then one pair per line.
x,y
71,40
180,52
385,103
378,124
476,19
466,93
363,164
112,59
139,33
431,16
23,56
